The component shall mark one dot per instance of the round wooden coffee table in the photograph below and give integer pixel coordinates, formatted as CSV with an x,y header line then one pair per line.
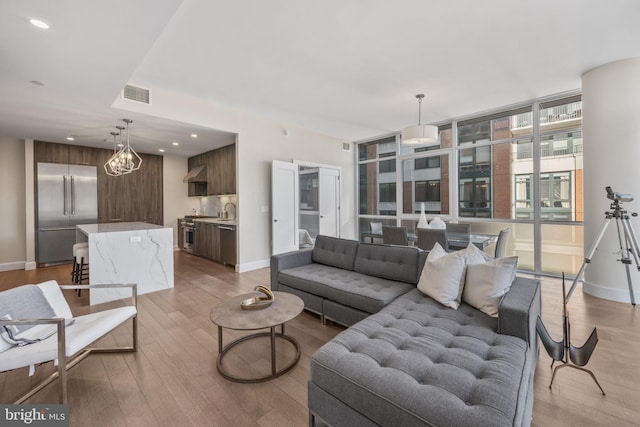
x,y
228,314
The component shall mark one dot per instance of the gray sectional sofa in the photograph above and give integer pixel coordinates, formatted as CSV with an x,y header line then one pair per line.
x,y
407,360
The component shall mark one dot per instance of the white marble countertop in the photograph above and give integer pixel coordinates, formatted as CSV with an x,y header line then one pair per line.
x,y
217,221
116,226
128,252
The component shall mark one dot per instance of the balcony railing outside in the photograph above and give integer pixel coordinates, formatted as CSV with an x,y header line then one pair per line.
x,y
524,152
549,115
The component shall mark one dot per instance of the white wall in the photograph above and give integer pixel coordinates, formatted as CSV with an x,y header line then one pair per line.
x,y
260,140
12,207
611,129
175,201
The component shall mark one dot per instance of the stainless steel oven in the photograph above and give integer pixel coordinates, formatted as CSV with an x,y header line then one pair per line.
x,y
188,235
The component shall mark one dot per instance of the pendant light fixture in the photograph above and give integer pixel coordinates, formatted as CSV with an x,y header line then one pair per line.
x,y
126,160
128,157
112,167
420,134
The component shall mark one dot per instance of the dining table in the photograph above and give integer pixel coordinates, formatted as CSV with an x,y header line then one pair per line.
x,y
456,240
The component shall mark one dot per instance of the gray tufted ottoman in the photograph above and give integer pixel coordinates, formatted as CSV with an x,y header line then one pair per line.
x,y
418,363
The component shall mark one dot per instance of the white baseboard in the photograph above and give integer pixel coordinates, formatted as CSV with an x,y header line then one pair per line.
x,y
8,266
31,265
256,265
619,295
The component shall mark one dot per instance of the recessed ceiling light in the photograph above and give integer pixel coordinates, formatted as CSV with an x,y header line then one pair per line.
x,y
70,138
39,24
161,150
175,143
194,135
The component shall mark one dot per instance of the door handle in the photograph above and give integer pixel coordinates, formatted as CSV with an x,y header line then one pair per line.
x,y
57,228
64,195
73,197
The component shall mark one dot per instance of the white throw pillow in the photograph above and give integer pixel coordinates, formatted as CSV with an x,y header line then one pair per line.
x,y
486,283
475,255
442,277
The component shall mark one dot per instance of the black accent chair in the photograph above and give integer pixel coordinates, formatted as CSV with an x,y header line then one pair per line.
x,y
428,237
395,235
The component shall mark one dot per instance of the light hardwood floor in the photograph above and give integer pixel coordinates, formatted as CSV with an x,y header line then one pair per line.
x,y
172,379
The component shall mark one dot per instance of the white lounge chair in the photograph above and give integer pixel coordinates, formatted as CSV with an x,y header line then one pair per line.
x,y
67,345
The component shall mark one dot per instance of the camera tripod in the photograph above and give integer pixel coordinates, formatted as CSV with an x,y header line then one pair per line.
x,y
626,239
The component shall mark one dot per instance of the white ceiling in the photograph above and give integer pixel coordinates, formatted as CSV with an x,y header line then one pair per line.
x,y
349,69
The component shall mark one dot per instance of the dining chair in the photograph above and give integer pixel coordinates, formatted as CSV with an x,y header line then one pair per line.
x,y
501,243
459,228
428,237
395,235
304,239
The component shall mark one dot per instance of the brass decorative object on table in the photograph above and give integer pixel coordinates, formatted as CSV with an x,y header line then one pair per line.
x,y
260,302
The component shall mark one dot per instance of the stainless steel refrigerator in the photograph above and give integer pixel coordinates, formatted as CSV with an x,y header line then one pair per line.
x,y
67,195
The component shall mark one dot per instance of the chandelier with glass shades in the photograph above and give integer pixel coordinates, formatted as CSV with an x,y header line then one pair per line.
x,y
420,134
124,161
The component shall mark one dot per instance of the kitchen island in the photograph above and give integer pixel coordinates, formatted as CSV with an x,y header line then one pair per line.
x,y
127,252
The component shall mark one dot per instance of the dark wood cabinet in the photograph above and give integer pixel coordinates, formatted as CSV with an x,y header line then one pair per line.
x,y
137,196
213,173
203,235
227,166
80,155
216,242
51,152
207,241
221,172
134,197
180,234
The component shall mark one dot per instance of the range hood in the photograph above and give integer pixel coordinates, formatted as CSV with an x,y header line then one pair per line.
x,y
196,174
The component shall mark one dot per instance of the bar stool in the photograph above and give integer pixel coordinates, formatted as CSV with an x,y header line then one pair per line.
x,y
74,270
81,266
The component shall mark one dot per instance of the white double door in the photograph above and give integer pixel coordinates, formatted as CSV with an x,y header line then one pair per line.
x,y
285,197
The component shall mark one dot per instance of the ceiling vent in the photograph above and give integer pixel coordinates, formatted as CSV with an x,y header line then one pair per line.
x,y
138,94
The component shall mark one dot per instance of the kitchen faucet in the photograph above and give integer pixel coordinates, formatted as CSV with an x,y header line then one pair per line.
x,y
224,209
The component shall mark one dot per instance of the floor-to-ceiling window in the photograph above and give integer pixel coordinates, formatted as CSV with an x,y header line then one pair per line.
x,y
561,214
377,192
519,168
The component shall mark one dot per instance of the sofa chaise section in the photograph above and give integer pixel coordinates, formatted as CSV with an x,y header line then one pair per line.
x,y
418,363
